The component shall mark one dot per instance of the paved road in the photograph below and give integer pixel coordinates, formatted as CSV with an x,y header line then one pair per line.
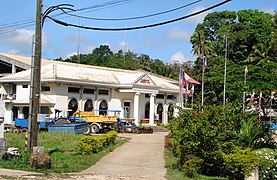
x,y
140,158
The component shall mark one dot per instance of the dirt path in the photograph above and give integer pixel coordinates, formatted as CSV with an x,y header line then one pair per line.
x,y
140,158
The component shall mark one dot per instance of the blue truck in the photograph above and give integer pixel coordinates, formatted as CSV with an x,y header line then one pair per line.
x,y
60,124
21,125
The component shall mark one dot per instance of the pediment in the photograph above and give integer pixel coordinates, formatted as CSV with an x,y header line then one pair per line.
x,y
145,80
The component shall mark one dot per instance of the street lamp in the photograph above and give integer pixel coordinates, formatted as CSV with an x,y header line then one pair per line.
x,y
36,74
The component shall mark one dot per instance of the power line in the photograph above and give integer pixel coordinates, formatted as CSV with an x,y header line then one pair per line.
x,y
137,17
10,27
138,27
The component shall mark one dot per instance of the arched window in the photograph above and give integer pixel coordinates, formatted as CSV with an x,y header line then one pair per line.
x,y
147,110
88,105
103,107
73,106
160,111
170,112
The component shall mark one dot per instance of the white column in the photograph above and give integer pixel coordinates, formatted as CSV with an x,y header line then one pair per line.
x,y
136,107
152,109
81,104
164,120
95,102
13,68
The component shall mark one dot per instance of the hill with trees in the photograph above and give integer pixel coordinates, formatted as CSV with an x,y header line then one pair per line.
x,y
243,38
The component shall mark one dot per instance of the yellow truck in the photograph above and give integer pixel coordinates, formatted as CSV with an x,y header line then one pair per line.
x,y
98,123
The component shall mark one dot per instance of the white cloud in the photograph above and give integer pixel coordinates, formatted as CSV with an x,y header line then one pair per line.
x,y
178,56
20,41
87,49
70,54
12,51
178,34
123,45
269,10
197,18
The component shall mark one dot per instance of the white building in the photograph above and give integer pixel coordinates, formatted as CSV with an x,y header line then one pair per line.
x,y
139,95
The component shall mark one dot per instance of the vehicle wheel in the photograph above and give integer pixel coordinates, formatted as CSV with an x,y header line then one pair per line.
x,y
95,129
88,131
15,130
24,130
122,127
135,130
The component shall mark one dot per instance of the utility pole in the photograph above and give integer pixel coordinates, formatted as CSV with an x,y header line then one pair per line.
x,y
35,81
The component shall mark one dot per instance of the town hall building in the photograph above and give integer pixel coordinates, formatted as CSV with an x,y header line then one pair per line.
x,y
139,95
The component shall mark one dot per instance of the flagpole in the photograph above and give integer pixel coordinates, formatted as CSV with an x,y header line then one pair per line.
x,y
181,99
186,95
203,57
245,72
192,96
225,67
180,90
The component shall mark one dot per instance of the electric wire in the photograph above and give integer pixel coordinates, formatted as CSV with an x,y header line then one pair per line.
x,y
137,17
10,27
138,27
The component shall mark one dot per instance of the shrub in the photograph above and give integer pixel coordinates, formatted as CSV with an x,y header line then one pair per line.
x,y
203,134
240,162
268,166
192,166
94,144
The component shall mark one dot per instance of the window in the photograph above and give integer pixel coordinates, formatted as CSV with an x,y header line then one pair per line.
x,y
73,89
103,107
24,86
160,96
45,88
170,112
147,110
73,106
103,92
88,105
147,96
171,97
14,89
89,91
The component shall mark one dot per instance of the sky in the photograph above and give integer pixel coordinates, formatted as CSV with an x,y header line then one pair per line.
x,y
169,42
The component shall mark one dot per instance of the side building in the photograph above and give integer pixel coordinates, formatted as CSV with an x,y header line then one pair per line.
x,y
141,96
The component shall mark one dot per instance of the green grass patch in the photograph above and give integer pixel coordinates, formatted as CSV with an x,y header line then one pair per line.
x,y
62,147
174,172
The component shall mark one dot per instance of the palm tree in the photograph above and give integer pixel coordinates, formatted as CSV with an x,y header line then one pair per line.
x,y
201,47
259,54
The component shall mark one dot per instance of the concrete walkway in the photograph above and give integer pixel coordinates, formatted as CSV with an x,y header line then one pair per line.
x,y
140,158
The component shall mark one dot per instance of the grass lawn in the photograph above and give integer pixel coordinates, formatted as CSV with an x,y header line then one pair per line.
x,y
174,173
63,149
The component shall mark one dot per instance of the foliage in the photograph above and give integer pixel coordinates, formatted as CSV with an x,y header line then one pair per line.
x,y
268,166
249,37
240,162
254,134
175,172
205,135
94,144
192,166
